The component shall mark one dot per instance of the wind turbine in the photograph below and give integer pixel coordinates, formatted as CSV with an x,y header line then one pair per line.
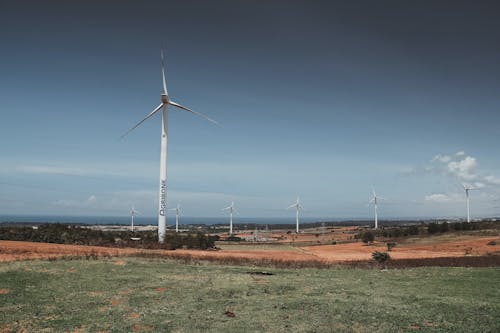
x,y
177,214
374,200
298,207
133,212
162,195
231,209
467,188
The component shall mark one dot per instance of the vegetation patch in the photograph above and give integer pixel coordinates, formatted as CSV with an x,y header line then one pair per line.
x,y
72,234
45,297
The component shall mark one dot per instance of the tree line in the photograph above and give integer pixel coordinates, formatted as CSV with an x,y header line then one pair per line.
x,y
71,234
425,228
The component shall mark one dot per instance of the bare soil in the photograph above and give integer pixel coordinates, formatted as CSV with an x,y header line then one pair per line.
x,y
439,248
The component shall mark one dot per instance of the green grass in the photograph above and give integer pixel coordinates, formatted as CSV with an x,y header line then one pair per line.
x,y
99,295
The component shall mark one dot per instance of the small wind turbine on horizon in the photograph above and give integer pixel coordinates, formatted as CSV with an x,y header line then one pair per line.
x,y
298,208
468,188
177,214
133,212
374,200
231,210
165,102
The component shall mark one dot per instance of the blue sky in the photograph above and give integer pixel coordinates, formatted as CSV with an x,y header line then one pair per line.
x,y
318,99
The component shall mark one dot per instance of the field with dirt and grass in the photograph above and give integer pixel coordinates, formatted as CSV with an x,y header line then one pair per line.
x,y
153,295
417,247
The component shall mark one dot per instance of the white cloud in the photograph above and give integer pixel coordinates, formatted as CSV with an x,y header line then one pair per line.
x,y
437,197
89,202
450,197
441,158
462,167
82,169
45,169
492,180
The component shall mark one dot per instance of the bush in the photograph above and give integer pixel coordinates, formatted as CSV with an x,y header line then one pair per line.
x,y
443,227
432,228
368,237
391,245
413,230
380,257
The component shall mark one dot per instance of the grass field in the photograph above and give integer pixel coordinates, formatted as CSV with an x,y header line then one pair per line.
x,y
128,294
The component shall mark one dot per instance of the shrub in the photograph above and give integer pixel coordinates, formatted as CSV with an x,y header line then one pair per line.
x,y
391,245
368,237
413,230
432,228
380,257
443,227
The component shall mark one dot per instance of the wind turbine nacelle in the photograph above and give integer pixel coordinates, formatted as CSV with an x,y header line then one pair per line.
x,y
164,98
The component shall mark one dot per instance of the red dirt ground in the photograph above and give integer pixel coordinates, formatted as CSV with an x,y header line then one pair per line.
x,y
12,251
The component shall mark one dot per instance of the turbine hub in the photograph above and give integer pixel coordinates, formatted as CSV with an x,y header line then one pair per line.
x,y
164,98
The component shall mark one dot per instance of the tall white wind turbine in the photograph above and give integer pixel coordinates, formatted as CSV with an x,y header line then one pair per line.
x,y
374,200
133,213
231,210
298,207
177,214
162,195
468,188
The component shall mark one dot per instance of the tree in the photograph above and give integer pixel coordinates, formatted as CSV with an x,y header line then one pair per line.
x,y
432,228
413,230
443,227
368,237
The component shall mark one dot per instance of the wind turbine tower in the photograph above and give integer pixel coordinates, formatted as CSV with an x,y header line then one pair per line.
x,y
162,193
231,209
177,214
468,188
133,212
298,208
374,200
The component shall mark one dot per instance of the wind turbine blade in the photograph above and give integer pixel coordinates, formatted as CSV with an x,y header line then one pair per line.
x,y
193,112
163,73
373,191
291,206
226,208
145,118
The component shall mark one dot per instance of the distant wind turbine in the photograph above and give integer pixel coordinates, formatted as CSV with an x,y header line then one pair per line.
x,y
177,214
298,208
165,102
468,188
133,212
374,200
231,210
